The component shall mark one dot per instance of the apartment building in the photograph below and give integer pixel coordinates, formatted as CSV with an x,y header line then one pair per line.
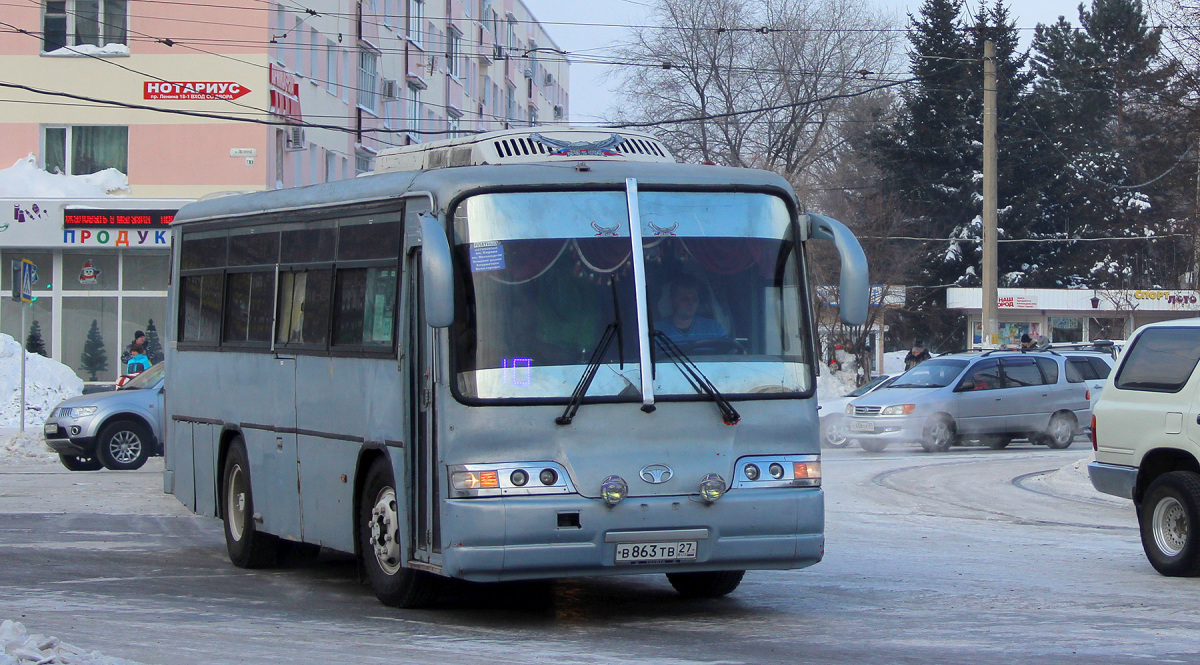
x,y
190,98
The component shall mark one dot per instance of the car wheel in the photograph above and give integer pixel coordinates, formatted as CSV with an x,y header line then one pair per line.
x,y
124,445
872,445
833,433
940,434
997,441
381,545
706,585
1060,432
248,547
76,463
1169,518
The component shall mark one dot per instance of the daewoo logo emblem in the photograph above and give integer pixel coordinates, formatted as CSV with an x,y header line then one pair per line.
x,y
656,473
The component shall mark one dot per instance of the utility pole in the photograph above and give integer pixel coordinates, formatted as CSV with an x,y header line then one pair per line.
x,y
990,323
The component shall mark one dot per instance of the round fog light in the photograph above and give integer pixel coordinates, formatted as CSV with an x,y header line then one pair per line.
x,y
751,471
519,478
712,487
613,490
776,470
548,476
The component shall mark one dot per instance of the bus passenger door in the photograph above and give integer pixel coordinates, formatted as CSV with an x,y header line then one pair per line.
x,y
423,459
277,447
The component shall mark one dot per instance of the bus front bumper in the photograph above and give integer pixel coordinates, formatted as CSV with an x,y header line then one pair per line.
x,y
514,538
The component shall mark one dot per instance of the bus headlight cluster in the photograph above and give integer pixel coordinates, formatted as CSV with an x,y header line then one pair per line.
x,y
777,471
523,478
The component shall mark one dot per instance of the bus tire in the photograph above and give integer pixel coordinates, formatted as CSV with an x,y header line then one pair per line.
x,y
248,547
706,585
381,544
124,445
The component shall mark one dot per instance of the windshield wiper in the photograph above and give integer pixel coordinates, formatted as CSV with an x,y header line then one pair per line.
x,y
696,378
589,373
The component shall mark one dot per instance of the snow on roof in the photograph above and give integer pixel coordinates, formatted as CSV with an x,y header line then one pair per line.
x,y
25,180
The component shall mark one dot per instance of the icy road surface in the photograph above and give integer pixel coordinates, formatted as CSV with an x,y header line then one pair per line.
x,y
974,556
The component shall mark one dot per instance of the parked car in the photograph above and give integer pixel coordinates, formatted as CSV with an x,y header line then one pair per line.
x,y
1146,437
833,413
119,429
995,397
1094,367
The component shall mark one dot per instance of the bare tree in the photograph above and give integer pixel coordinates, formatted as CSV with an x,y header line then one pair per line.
x,y
755,83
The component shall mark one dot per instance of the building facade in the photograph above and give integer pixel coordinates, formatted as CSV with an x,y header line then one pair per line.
x,y
192,98
1072,315
189,98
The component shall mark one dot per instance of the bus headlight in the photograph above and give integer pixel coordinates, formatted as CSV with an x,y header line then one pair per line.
x,y
712,487
508,479
613,490
781,471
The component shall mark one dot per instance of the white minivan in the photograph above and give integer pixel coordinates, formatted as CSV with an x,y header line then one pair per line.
x,y
1146,434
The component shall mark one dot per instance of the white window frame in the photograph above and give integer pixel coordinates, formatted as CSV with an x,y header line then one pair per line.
x,y
332,67
368,80
72,17
412,109
454,40
68,144
416,19
314,57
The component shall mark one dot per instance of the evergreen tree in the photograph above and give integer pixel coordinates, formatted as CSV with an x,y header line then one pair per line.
x,y
153,346
34,342
94,358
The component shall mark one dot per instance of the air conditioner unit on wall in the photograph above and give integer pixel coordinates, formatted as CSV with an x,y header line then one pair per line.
x,y
391,90
549,79
295,138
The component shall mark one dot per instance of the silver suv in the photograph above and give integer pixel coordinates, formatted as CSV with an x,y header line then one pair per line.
x,y
996,396
116,430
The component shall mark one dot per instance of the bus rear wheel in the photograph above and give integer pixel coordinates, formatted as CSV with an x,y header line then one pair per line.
x,y
706,585
248,547
381,546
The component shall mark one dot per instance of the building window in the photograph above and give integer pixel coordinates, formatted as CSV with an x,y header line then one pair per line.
x,y
331,66
368,79
362,163
454,53
416,17
510,107
413,108
79,22
314,55
81,150
452,125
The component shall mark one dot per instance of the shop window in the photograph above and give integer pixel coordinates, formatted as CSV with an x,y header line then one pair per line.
x,y
90,271
365,307
43,261
145,271
40,312
1066,329
79,22
91,344
147,315
303,317
84,149
249,304
1106,328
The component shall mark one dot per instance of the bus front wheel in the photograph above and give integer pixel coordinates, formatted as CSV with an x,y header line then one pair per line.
x,y
248,547
381,545
706,585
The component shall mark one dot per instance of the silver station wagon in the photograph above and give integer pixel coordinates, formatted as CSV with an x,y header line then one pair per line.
x,y
994,397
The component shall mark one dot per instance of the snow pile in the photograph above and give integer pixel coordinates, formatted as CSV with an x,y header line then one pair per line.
x,y
89,50
1072,481
28,445
19,647
25,179
893,362
47,382
835,382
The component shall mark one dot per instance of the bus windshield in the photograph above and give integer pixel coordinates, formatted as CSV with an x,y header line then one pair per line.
x,y
543,275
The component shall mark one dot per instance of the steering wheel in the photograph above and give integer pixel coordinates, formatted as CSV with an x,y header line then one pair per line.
x,y
713,346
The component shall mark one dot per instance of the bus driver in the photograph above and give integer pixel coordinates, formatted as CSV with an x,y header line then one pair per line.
x,y
684,325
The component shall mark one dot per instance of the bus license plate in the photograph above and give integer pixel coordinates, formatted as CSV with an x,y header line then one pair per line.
x,y
862,426
656,552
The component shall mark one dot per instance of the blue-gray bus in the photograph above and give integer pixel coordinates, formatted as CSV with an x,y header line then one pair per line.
x,y
519,355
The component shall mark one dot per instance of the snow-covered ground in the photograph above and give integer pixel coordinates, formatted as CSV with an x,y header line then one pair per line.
x,y
20,647
47,382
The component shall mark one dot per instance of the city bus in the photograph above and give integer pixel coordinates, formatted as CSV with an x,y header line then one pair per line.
x,y
519,355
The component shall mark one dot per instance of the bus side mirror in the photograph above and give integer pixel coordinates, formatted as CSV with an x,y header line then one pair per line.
x,y
437,273
854,284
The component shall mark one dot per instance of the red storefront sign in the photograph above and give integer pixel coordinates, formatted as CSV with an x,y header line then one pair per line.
x,y
193,90
285,94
